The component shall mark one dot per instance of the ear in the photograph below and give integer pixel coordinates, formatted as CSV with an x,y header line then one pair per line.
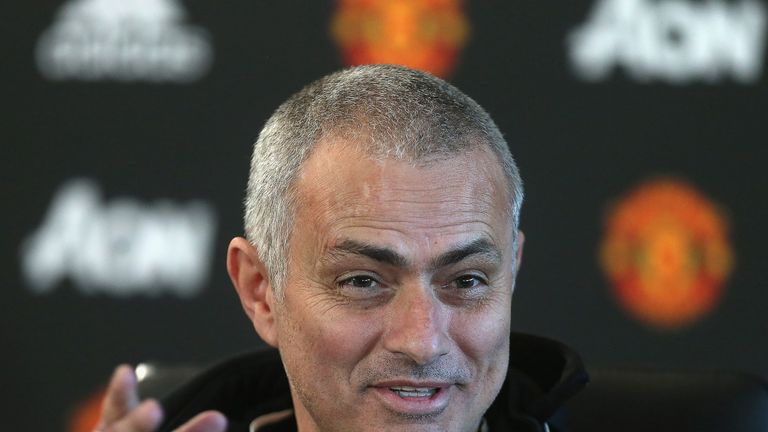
x,y
249,276
519,251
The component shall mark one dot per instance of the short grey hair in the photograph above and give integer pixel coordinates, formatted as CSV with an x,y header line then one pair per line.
x,y
390,112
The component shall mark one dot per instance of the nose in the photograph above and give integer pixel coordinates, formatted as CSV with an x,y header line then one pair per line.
x,y
418,325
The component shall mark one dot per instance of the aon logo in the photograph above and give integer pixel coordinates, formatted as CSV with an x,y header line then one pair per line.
x,y
119,248
677,41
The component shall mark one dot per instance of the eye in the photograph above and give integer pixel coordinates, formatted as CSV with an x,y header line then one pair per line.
x,y
468,281
364,288
361,281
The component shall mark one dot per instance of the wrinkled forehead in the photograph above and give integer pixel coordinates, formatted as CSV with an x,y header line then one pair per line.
x,y
386,165
340,188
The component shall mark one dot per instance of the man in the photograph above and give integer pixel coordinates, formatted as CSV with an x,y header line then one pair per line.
x,y
382,248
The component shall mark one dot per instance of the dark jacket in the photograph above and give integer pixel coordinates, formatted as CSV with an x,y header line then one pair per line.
x,y
542,374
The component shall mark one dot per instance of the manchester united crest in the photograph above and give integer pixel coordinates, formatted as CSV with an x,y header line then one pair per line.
x,y
666,253
421,34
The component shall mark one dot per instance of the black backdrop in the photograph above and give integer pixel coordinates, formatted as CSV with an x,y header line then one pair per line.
x,y
160,144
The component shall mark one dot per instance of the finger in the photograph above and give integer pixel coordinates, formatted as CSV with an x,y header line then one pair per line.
x,y
121,396
145,418
207,421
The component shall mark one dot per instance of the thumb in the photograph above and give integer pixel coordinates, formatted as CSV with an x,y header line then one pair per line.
x,y
207,421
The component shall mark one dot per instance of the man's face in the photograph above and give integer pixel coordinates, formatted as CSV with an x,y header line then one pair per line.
x,y
396,313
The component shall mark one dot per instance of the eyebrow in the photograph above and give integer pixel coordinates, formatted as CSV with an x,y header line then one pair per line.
x,y
481,247
376,253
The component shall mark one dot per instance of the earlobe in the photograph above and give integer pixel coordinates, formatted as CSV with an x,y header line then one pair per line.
x,y
251,280
519,251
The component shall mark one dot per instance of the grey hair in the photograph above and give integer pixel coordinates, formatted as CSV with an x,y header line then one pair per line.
x,y
391,112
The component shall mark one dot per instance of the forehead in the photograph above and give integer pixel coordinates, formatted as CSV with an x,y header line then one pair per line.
x,y
342,192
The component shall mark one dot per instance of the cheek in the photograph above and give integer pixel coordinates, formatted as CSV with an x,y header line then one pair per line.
x,y
484,341
335,341
483,336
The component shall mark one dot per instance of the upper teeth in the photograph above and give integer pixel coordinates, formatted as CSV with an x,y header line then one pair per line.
x,y
407,391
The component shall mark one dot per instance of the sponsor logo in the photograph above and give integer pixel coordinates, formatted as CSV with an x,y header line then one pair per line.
x,y
422,34
675,41
666,253
119,248
123,40
85,416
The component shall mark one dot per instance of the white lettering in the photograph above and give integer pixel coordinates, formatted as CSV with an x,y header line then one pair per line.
x,y
121,248
125,40
676,41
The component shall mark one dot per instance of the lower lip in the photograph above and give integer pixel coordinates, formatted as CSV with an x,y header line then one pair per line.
x,y
427,405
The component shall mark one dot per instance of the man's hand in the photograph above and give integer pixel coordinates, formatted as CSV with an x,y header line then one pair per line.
x,y
122,412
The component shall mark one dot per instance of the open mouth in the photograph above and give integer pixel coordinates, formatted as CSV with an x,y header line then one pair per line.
x,y
415,398
407,392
